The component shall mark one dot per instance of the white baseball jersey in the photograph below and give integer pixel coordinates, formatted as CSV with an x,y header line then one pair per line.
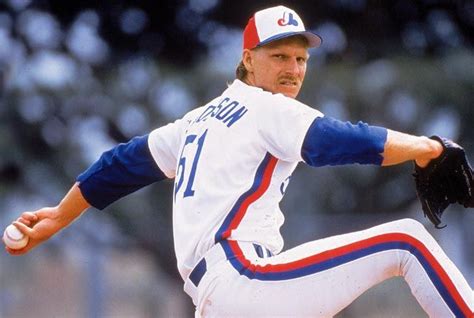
x,y
225,186
231,161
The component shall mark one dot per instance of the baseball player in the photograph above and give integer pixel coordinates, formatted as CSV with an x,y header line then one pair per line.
x,y
229,159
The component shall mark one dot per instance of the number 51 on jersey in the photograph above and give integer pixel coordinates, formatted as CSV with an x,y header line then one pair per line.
x,y
188,158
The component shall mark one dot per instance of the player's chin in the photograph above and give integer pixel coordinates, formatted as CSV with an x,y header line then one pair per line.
x,y
289,90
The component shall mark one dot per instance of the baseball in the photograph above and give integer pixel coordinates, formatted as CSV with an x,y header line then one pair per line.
x,y
13,238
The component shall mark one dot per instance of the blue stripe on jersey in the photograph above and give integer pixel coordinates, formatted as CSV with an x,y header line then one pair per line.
x,y
333,142
120,171
239,208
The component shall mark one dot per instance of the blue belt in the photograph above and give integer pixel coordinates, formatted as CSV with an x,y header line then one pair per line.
x,y
198,272
200,269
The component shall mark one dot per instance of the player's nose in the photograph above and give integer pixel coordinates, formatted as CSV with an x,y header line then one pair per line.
x,y
293,67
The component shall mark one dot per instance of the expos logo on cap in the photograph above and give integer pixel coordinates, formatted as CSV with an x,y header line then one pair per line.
x,y
287,19
275,23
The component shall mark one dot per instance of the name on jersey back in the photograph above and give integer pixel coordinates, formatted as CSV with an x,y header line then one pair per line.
x,y
227,112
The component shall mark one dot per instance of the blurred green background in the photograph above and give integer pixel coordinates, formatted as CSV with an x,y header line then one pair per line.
x,y
78,77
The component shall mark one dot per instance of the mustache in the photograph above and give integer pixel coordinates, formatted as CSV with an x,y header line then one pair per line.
x,y
289,78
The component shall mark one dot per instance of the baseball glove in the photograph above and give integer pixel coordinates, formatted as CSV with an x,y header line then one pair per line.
x,y
445,180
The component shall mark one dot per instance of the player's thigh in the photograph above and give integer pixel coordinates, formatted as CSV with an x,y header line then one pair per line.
x,y
318,278
320,294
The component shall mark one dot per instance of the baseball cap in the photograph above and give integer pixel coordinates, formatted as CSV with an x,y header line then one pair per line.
x,y
276,23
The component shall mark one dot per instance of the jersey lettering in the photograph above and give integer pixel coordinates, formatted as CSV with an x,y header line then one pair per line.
x,y
227,111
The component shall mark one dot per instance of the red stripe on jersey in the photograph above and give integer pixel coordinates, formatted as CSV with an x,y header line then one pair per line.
x,y
265,183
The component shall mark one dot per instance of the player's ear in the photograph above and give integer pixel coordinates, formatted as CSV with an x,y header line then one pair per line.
x,y
247,59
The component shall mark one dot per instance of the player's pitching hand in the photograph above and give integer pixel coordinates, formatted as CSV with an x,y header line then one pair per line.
x,y
39,226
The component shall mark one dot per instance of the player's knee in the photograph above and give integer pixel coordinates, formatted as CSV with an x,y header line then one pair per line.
x,y
412,224
416,229
409,226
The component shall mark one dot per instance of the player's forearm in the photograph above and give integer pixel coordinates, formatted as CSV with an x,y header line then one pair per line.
x,y
71,206
401,147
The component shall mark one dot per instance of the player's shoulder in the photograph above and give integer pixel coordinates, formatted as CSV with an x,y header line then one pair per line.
x,y
193,113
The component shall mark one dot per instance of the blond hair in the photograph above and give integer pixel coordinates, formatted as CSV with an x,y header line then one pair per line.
x,y
241,71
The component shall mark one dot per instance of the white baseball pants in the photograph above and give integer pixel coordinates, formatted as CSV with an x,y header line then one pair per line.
x,y
322,277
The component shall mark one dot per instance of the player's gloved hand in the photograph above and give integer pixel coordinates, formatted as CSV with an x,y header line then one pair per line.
x,y
445,180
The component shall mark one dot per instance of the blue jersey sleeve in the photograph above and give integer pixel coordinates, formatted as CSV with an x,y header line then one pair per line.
x,y
118,172
333,142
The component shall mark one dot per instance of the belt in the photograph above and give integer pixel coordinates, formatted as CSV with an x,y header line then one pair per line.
x,y
201,267
215,255
198,272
